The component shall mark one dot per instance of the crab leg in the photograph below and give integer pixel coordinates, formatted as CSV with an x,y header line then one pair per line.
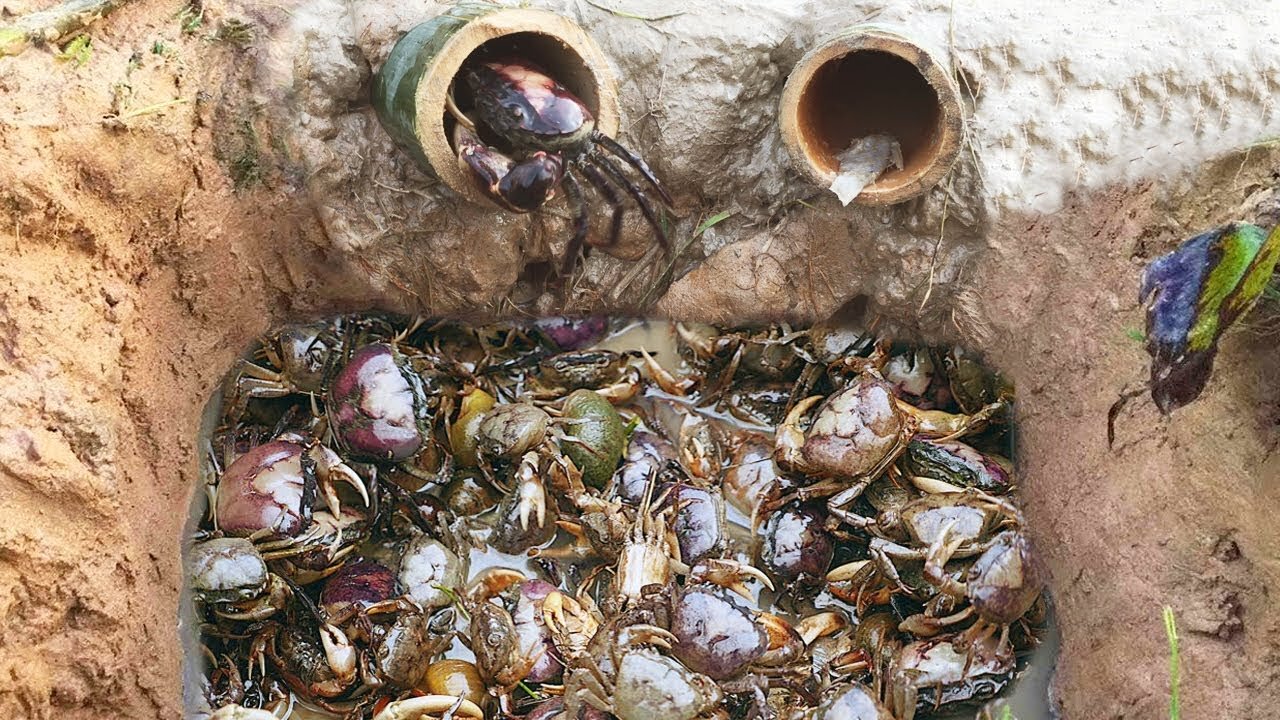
x,y
731,575
611,196
616,175
634,161
581,223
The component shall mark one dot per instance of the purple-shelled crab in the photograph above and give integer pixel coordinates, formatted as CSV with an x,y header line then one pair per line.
x,y
551,134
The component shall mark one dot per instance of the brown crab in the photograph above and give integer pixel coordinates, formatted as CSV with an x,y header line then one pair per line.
x,y
553,137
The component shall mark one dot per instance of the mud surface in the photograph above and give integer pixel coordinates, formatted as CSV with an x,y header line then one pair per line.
x,y
155,216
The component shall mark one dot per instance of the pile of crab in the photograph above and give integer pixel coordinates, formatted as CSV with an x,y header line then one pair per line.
x,y
577,518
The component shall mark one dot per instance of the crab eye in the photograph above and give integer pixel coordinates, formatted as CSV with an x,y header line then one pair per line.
x,y
517,112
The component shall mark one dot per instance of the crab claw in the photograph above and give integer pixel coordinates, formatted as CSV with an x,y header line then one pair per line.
x,y
559,611
553,610
491,581
730,575
935,487
624,390
848,571
851,662
532,495
787,449
417,708
330,469
700,345
531,182
340,654
819,625
785,643
258,652
665,379
943,426
924,626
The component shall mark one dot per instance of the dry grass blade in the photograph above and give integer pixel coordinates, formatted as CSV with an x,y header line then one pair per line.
x,y
1175,664
633,16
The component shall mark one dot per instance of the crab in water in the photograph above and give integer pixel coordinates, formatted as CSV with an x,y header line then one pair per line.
x,y
1001,586
856,434
626,674
298,360
551,132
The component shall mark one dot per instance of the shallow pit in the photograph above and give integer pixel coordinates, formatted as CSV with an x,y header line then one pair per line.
x,y
864,82
721,424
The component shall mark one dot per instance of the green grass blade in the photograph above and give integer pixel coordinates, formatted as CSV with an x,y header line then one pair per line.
x,y
1175,664
713,221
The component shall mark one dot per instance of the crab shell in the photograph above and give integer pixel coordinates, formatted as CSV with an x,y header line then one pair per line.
x,y
716,633
1005,581
855,702
405,651
427,566
528,107
855,430
943,675
303,355
650,685
226,570
360,583
512,429
797,547
270,487
377,407
570,333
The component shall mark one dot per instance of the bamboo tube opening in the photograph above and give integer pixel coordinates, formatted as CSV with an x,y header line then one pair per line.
x,y
865,82
412,98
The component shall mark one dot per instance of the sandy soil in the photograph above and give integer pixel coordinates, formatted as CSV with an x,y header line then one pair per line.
x,y
1181,511
144,242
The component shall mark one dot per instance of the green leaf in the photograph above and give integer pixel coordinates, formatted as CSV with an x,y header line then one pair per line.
x,y
1245,263
12,41
713,221
78,51
190,19
1135,334
1193,295
1271,293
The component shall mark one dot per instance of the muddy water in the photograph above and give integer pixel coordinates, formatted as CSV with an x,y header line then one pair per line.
x,y
1026,698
